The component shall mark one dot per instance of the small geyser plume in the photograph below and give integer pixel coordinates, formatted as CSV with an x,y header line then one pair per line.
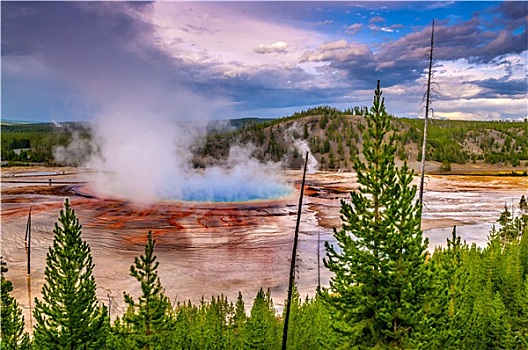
x,y
147,158
76,153
302,148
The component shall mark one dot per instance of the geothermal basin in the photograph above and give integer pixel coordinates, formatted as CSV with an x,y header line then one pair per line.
x,y
207,248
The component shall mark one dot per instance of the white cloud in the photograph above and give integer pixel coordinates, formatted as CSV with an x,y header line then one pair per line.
x,y
460,79
480,108
233,44
462,69
279,47
457,94
340,51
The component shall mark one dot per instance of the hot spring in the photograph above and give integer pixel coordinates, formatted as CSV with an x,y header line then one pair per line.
x,y
239,184
244,192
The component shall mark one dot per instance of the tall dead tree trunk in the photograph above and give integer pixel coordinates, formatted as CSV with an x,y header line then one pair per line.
x,y
27,244
292,263
426,119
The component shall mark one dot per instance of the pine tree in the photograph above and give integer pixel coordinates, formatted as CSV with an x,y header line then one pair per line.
x,y
69,316
521,325
116,339
313,326
239,322
213,329
488,325
524,253
12,334
262,326
180,335
440,329
149,316
376,295
510,227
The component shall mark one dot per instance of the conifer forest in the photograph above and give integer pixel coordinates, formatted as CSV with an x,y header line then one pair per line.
x,y
387,290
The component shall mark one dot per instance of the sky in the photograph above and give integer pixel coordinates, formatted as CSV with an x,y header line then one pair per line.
x,y
76,61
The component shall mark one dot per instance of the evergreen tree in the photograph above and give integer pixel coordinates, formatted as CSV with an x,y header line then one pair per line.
x,y
509,226
521,331
440,329
376,295
314,326
523,218
117,339
239,322
149,316
524,253
182,331
488,326
210,330
262,328
309,324
12,334
69,316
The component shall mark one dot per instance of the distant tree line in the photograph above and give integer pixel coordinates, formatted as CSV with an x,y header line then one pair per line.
x,y
333,136
34,143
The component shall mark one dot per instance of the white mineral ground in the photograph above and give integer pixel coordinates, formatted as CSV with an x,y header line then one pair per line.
x,y
205,249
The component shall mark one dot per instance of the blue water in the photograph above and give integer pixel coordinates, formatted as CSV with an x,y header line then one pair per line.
x,y
239,194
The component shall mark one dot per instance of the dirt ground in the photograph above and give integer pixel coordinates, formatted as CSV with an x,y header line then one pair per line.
x,y
212,248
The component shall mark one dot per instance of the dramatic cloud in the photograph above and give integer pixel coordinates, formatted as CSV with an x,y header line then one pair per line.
x,y
193,60
504,87
514,10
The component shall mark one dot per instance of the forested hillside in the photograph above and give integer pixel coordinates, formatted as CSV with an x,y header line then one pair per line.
x,y
333,136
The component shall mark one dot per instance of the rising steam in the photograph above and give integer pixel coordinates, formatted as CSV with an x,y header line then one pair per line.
x,y
302,148
242,178
148,159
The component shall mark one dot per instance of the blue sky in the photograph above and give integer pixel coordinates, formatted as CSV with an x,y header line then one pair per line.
x,y
70,61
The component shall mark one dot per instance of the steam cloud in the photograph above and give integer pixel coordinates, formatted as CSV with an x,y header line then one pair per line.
x,y
147,159
75,153
302,148
242,178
